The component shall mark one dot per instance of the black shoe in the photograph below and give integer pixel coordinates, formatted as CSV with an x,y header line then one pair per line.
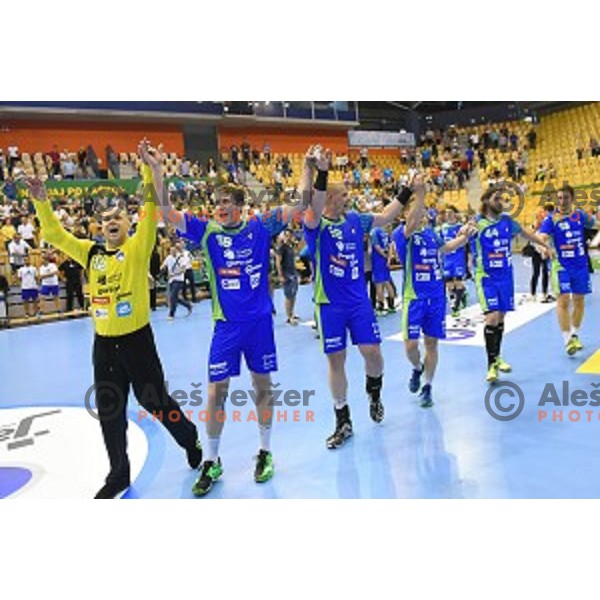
x,y
112,491
194,455
343,429
376,409
426,397
415,381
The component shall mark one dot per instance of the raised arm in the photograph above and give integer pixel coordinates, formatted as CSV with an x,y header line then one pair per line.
x,y
52,230
394,209
154,158
462,239
319,161
417,211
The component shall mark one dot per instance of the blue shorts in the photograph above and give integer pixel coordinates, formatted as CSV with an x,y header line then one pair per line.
x,y
381,274
335,321
496,295
427,315
452,272
571,281
255,340
50,290
29,295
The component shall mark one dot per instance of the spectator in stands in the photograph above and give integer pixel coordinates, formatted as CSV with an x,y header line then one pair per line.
x,y
8,231
10,189
580,151
4,291
514,141
113,163
495,139
552,174
426,158
185,168
50,288
511,166
482,159
521,168
54,157
364,158
267,152
234,153
93,162
28,277
18,250
72,273
82,162
503,142
470,156
285,261
532,138
69,169
246,155
540,174
2,165
594,148
27,231
14,156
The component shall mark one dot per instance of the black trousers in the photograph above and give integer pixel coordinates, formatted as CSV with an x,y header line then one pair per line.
x,y
74,290
132,361
190,282
539,266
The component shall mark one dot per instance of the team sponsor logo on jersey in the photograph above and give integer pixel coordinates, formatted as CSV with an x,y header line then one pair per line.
x,y
101,314
224,241
124,309
101,300
335,271
253,268
231,284
255,280
229,255
229,272
99,263
336,260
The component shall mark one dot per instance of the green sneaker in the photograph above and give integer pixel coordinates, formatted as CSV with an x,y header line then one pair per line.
x,y
503,366
211,472
456,313
571,347
492,374
577,343
265,467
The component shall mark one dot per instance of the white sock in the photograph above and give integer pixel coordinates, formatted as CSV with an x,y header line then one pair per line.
x,y
575,331
339,404
566,336
428,380
213,449
265,438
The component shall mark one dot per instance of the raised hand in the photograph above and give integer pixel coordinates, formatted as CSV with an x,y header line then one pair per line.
x,y
418,184
153,157
323,159
37,189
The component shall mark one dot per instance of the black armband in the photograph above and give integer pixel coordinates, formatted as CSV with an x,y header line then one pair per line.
x,y
404,196
321,182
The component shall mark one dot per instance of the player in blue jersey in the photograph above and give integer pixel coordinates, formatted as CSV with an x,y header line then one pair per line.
x,y
565,229
236,247
382,276
335,239
455,263
420,247
494,278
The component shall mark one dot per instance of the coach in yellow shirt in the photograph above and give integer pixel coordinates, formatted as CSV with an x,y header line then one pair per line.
x,y
124,349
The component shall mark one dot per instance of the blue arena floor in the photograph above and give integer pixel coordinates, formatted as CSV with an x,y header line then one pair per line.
x,y
455,450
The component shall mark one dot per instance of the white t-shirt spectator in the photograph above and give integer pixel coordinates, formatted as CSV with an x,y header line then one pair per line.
x,y
69,168
175,266
185,168
26,231
18,252
28,277
186,260
13,151
49,274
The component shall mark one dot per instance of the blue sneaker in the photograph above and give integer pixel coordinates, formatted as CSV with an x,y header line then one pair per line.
x,y
415,381
426,397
